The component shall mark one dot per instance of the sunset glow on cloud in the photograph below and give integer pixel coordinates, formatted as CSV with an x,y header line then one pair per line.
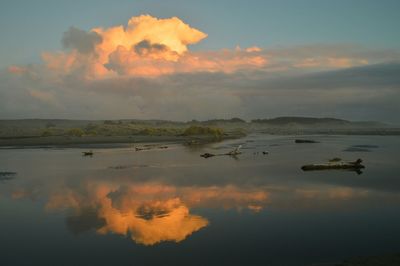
x,y
150,47
148,69
146,47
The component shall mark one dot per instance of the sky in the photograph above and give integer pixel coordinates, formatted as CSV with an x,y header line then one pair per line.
x,y
183,60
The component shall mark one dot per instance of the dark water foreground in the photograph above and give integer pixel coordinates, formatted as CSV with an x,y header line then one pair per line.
x,y
172,207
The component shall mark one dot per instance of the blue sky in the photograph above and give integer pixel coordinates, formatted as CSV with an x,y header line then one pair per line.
x,y
29,27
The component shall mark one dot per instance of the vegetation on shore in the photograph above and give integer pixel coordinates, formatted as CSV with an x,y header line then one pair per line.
x,y
108,128
131,130
201,130
215,128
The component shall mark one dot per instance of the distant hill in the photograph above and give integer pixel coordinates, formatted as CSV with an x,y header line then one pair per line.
x,y
219,121
301,120
313,121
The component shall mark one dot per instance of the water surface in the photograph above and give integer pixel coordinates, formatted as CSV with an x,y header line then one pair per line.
x,y
173,207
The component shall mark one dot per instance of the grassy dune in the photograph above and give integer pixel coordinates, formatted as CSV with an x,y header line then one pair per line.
x,y
69,132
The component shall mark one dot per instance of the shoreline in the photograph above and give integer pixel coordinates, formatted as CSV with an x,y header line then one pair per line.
x,y
32,142
104,141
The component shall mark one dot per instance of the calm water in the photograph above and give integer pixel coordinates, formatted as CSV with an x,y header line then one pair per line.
x,y
172,207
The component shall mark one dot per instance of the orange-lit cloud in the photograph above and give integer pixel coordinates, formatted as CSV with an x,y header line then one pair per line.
x,y
148,217
152,47
151,212
172,33
128,62
147,69
146,47
151,222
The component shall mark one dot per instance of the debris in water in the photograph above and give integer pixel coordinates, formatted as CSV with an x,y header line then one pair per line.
x,y
150,147
87,153
305,141
235,151
354,166
207,155
231,153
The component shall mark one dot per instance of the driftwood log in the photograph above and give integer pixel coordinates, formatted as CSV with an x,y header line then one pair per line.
x,y
356,165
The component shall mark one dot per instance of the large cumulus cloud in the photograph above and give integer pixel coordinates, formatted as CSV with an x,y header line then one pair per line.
x,y
146,70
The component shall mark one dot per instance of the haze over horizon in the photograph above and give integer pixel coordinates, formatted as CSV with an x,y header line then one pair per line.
x,y
185,60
